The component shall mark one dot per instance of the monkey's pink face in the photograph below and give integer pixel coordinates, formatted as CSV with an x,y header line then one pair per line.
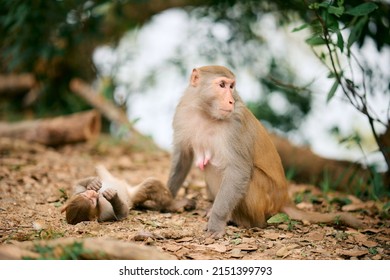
x,y
91,196
224,88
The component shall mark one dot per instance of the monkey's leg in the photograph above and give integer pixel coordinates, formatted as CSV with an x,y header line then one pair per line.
x,y
233,188
181,165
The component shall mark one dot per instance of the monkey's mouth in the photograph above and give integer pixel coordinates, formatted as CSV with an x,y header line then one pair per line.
x,y
225,113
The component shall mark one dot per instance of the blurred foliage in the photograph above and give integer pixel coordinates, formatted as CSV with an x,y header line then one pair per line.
x,y
363,20
55,39
355,78
45,38
338,29
283,102
297,103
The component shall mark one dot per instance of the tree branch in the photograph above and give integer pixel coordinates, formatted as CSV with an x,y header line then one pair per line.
x,y
109,110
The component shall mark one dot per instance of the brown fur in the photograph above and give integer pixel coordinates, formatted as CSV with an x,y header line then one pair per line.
x,y
115,201
152,190
78,210
152,194
244,173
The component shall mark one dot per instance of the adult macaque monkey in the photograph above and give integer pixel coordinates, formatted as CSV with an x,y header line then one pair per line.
x,y
243,170
107,198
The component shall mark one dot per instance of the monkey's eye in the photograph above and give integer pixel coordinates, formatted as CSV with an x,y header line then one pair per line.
x,y
222,84
232,86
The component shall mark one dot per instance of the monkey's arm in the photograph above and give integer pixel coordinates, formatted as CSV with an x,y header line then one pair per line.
x,y
121,209
181,165
233,188
89,183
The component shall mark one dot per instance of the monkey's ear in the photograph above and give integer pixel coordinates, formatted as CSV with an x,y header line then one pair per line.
x,y
195,76
65,206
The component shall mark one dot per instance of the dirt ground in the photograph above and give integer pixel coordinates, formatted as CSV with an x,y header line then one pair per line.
x,y
36,180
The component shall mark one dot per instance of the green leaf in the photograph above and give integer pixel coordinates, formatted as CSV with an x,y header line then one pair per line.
x,y
373,251
314,6
325,4
332,23
332,91
331,75
278,218
299,28
315,40
362,9
386,209
340,41
340,2
337,11
102,9
356,31
341,200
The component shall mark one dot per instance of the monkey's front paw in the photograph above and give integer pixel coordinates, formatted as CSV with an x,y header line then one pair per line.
x,y
190,204
215,232
109,194
95,184
181,205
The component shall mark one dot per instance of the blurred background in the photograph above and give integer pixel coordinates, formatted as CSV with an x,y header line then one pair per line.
x,y
315,73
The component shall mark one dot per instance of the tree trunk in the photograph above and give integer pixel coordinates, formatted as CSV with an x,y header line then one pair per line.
x,y
56,131
307,167
385,139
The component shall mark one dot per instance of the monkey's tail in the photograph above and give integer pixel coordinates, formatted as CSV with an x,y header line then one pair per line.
x,y
294,213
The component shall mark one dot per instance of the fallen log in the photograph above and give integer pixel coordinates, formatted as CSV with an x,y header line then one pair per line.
x,y
73,128
23,86
16,83
86,249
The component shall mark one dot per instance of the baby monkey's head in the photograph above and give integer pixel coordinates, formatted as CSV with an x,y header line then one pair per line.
x,y
82,207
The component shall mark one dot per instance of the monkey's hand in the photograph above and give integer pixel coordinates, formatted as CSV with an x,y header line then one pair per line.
x,y
121,208
215,230
95,184
110,194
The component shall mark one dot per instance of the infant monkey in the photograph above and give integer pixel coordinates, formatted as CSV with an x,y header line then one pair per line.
x,y
107,198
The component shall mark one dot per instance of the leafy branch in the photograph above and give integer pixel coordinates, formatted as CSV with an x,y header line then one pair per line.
x,y
328,33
